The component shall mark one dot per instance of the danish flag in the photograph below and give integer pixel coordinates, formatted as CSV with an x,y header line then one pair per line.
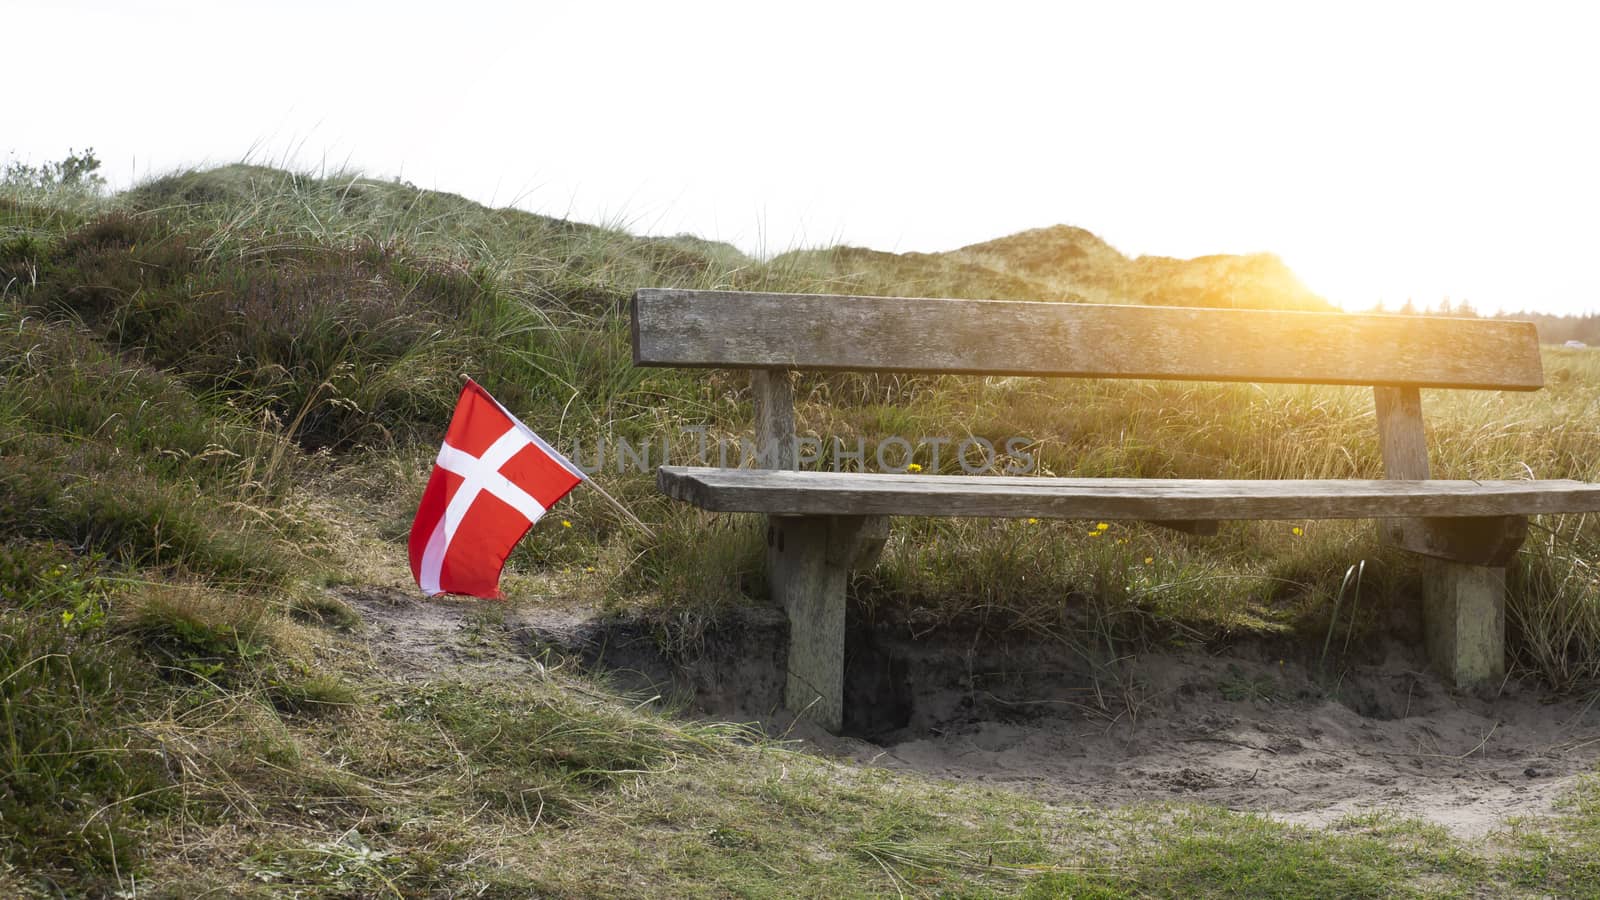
x,y
492,480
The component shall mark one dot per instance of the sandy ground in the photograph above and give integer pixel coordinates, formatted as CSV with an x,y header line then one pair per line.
x,y
1463,763
1233,732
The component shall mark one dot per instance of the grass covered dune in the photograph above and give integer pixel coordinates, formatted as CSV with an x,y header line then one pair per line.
x,y
219,393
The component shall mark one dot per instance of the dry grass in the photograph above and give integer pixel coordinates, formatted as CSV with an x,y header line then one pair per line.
x,y
218,391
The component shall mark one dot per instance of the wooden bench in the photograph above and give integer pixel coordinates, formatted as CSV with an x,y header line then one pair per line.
x,y
821,524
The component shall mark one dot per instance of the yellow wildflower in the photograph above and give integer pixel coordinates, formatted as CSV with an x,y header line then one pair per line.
x,y
1032,521
1102,526
565,524
1149,559
1297,531
914,467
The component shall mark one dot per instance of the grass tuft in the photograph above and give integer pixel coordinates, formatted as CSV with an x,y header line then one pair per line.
x,y
79,781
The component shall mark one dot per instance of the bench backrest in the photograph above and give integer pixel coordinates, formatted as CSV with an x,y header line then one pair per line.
x,y
732,329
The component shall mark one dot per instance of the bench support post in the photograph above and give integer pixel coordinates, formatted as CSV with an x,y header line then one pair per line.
x,y
772,393
1464,614
809,559
1463,604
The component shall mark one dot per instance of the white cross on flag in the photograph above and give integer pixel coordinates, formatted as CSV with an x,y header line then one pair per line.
x,y
493,479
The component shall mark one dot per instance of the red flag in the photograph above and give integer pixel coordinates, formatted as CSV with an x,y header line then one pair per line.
x,y
492,480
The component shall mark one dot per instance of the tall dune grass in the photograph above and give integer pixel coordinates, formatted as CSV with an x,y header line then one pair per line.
x,y
206,380
339,310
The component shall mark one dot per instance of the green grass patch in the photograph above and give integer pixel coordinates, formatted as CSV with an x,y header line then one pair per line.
x,y
540,756
1205,852
92,498
79,781
1559,855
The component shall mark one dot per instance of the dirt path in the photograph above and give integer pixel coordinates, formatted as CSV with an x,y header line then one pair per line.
x,y
1236,733
1465,764
413,638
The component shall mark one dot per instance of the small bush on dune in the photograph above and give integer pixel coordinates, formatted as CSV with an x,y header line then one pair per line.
x,y
340,345
109,263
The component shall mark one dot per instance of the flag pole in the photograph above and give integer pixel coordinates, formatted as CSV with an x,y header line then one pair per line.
x,y
620,508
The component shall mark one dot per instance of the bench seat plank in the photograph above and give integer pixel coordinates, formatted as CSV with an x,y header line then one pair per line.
x,y
872,494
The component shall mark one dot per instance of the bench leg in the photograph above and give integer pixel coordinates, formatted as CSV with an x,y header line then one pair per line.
x,y
1464,617
809,559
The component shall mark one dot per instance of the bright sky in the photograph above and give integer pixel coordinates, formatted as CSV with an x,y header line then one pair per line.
x,y
1383,150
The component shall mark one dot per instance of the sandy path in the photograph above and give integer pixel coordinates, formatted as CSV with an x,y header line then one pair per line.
x,y
1235,733
1466,764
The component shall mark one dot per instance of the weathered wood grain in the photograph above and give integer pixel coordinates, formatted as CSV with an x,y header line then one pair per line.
x,y
849,493
810,561
772,391
1464,623
1463,580
1491,541
1402,440
1403,444
1401,437
730,329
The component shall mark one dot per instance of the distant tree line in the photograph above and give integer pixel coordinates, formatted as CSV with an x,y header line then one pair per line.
x,y
1445,307
1560,329
1553,329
